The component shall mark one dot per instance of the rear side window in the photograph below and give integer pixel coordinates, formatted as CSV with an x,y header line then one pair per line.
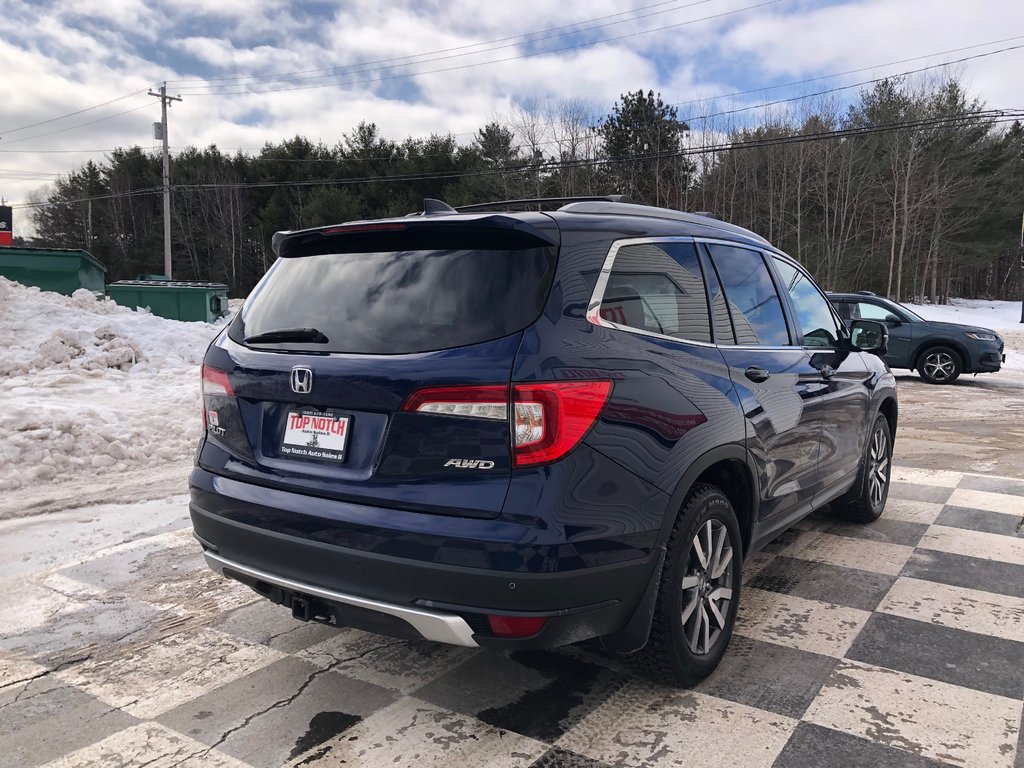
x,y
399,302
658,287
750,293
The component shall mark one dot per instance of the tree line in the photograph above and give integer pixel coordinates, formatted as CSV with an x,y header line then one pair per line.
x,y
914,190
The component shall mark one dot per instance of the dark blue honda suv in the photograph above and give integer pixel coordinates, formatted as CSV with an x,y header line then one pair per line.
x,y
508,428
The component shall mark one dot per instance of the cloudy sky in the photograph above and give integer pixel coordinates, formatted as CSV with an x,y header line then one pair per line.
x,y
251,71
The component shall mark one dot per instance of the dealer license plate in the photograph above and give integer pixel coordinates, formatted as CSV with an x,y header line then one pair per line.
x,y
315,435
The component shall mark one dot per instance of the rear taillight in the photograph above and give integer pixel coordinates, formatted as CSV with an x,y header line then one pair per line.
x,y
215,384
552,417
549,418
222,421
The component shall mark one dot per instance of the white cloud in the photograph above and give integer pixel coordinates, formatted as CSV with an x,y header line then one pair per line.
x,y
59,63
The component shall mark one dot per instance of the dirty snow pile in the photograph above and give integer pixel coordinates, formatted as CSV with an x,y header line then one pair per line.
x,y
90,389
1000,316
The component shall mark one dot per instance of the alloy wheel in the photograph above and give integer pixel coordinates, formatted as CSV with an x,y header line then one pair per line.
x,y
707,587
939,366
878,467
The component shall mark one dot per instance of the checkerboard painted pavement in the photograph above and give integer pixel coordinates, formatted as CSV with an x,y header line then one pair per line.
x,y
895,644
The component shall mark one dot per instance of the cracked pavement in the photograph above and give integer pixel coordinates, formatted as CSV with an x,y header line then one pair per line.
x,y
898,643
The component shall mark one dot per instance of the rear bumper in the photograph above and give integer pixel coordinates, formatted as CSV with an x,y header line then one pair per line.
x,y
442,628
414,595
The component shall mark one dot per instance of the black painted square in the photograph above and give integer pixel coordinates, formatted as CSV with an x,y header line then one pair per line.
x,y
813,746
277,713
44,719
915,492
749,674
967,659
970,572
981,520
992,484
539,694
824,582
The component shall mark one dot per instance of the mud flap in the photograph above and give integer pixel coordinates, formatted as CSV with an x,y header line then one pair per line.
x,y
634,635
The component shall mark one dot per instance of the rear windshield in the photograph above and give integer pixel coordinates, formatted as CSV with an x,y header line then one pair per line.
x,y
398,302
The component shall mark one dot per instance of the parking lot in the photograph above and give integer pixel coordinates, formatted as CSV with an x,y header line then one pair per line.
x,y
900,643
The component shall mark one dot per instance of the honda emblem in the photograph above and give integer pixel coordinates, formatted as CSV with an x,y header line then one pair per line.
x,y
302,380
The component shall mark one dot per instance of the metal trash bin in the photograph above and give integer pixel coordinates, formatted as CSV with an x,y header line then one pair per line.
x,y
187,300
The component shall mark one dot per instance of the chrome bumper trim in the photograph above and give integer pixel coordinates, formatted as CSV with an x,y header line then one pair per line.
x,y
441,628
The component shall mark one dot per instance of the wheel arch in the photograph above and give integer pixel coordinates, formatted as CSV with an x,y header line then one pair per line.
x,y
890,408
938,341
729,468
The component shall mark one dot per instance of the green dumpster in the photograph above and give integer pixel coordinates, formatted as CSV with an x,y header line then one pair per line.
x,y
175,299
53,269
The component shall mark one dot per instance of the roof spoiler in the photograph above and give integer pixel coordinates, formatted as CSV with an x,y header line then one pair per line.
x,y
425,232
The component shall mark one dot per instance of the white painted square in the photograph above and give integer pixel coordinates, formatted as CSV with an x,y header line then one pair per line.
x,y
644,724
414,733
1006,503
984,546
147,680
921,716
911,511
958,607
148,745
847,552
795,622
16,671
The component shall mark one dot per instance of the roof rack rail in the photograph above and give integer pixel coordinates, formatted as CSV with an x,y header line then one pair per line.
x,y
538,201
631,209
865,293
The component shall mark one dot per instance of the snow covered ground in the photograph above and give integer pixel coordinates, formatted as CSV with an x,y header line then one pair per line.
x,y
91,392
1000,316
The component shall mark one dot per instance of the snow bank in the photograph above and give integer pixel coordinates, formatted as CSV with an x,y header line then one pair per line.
x,y
90,388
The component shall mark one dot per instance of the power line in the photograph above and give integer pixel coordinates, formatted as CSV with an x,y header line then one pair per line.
x,y
71,114
78,125
575,28
211,92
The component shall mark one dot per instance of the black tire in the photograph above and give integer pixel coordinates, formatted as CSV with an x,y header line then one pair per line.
x,y
940,365
671,654
865,501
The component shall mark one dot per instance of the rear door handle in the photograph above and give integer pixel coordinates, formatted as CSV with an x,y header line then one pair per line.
x,y
756,373
827,371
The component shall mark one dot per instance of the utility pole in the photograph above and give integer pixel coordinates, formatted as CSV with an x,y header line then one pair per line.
x,y
165,101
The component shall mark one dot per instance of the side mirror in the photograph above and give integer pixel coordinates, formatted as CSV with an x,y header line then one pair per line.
x,y
892,320
869,336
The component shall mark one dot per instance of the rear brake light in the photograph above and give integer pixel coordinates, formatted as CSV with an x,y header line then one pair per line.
x,y
345,229
550,418
516,626
216,383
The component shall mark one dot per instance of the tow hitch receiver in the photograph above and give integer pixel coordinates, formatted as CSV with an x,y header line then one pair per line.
x,y
301,609
306,608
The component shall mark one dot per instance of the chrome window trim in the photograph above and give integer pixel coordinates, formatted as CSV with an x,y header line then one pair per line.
x,y
594,307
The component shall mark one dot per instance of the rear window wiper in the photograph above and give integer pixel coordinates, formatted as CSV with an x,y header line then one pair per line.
x,y
307,335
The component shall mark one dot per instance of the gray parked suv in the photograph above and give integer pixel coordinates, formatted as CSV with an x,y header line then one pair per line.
x,y
939,352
